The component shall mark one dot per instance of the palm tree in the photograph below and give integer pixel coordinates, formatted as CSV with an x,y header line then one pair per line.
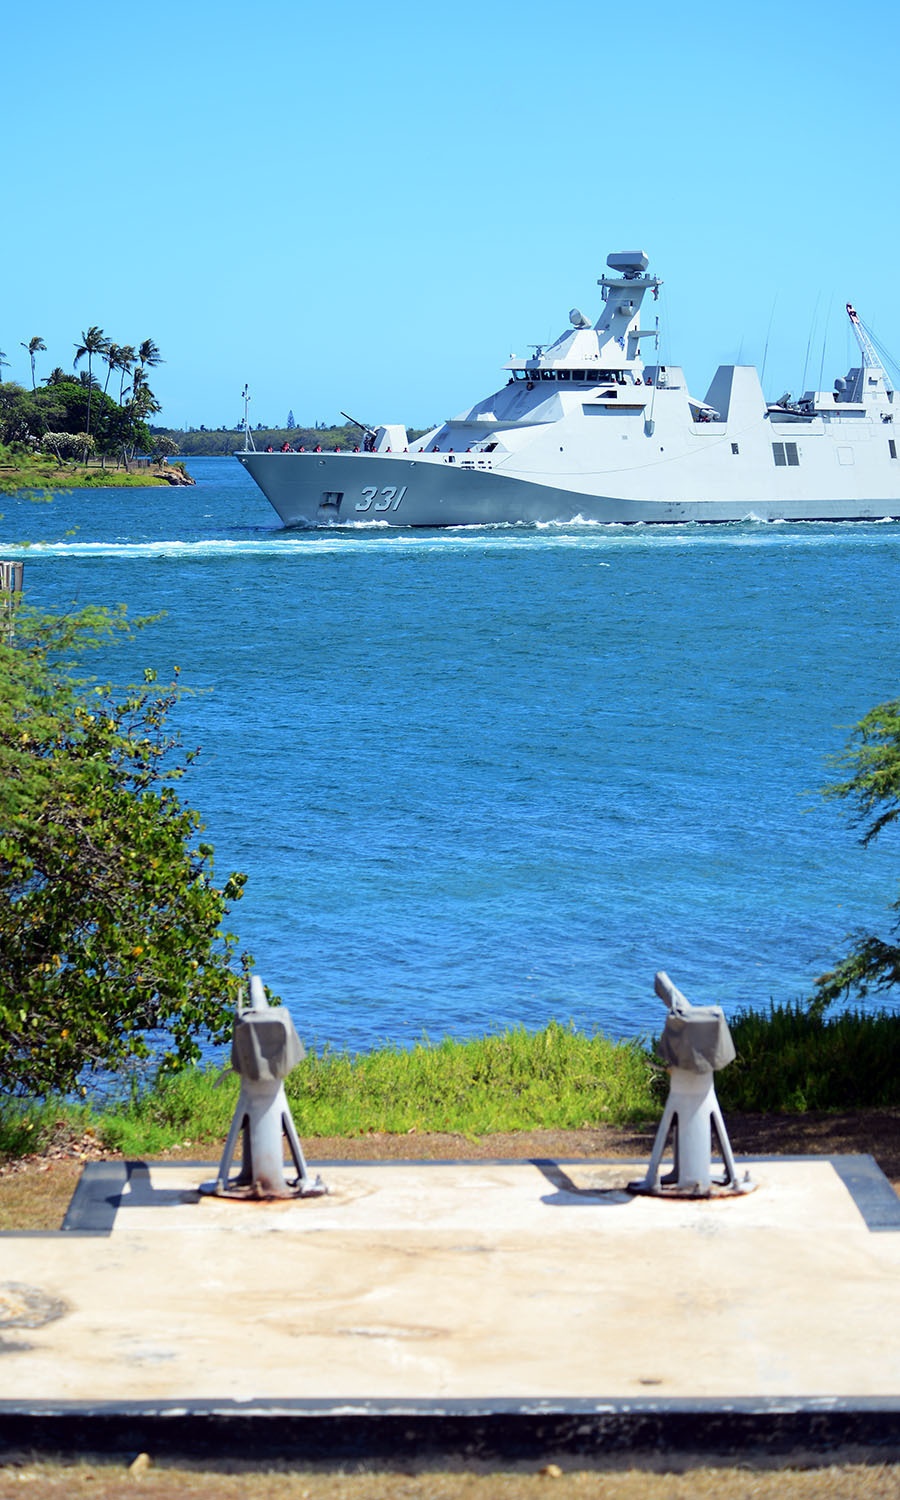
x,y
143,402
3,361
94,341
34,346
57,376
111,355
148,354
125,363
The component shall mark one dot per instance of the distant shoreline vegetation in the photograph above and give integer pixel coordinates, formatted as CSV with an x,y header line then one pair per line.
x,y
68,432
221,442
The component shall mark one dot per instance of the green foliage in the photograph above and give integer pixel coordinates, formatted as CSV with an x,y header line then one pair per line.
x,y
75,402
25,416
24,1129
873,759
195,1104
110,923
217,443
872,790
790,1060
40,472
518,1080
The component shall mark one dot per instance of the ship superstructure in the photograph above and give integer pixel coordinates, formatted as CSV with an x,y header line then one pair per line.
x,y
586,429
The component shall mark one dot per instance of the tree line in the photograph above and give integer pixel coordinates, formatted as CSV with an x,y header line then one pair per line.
x,y
71,414
217,443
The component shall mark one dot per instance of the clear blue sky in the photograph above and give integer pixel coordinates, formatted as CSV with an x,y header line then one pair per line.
x,y
371,207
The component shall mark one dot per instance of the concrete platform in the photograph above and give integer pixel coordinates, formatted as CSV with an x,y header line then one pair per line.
x,y
489,1304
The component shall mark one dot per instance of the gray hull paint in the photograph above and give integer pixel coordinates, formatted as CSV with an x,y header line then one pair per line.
x,y
439,494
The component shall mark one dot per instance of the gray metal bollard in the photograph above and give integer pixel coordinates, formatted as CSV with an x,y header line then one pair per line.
x,y
695,1043
264,1049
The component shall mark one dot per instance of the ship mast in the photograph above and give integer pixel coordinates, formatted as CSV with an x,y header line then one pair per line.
x,y
249,445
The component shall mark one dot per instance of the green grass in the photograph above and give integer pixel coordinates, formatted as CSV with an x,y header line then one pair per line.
x,y
38,472
557,1078
518,1080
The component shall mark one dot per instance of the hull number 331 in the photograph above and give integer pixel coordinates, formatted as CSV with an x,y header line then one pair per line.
x,y
390,497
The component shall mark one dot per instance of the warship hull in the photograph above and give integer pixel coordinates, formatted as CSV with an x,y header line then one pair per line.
x,y
348,489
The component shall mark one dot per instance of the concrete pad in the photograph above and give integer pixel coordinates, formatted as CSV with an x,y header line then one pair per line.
x,y
499,1286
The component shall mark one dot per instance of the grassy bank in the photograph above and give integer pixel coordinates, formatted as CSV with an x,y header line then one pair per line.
x,y
40,472
558,1078
554,1079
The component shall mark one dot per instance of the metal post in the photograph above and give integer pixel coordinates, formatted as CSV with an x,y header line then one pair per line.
x,y
12,576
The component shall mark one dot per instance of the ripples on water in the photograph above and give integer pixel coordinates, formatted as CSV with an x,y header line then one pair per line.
x,y
497,776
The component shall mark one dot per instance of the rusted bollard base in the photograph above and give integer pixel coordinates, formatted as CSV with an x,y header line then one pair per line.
x,y
683,1191
258,1192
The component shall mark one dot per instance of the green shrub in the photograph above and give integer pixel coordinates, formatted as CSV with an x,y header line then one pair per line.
x,y
790,1060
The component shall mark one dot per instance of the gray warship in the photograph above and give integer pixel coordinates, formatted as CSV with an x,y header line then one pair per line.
x,y
584,430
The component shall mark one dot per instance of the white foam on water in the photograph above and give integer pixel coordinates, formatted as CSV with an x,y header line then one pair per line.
x,y
379,536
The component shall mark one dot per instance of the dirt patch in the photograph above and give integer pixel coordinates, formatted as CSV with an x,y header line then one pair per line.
x,y
647,1477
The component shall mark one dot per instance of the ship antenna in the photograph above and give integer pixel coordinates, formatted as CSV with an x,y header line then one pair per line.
x,y
249,446
824,343
768,332
812,329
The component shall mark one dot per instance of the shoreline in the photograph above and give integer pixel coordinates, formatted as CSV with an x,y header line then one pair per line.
x,y
15,480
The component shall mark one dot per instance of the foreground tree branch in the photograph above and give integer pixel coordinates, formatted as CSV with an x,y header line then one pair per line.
x,y
111,923
872,789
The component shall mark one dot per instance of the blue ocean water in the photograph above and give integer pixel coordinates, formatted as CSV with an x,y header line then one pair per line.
x,y
486,777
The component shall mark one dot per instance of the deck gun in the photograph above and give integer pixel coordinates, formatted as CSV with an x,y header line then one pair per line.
x,y
369,431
